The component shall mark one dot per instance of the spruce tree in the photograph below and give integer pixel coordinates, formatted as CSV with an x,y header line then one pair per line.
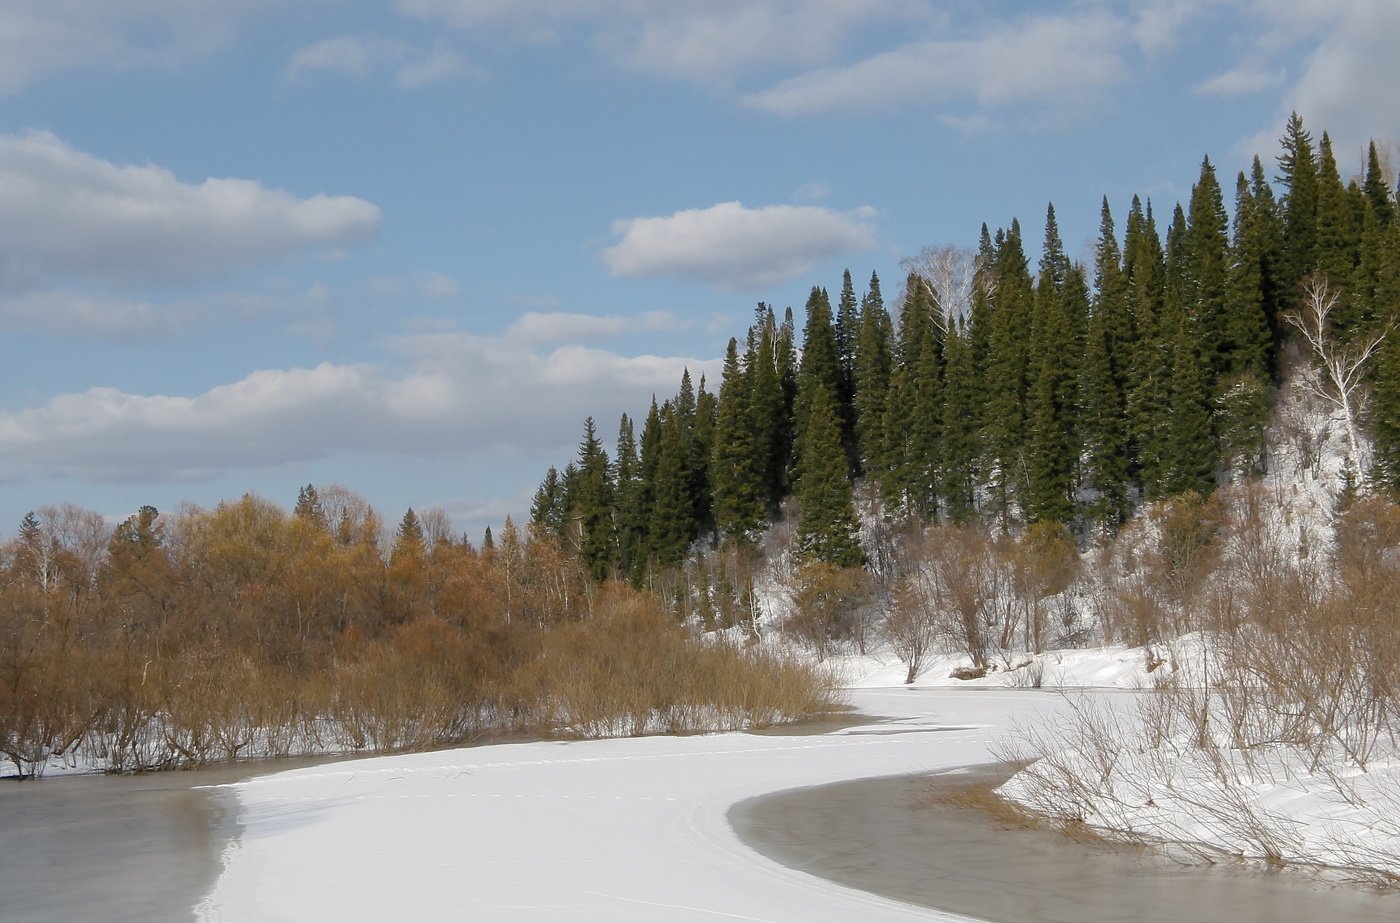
x,y
671,527
595,505
628,493
738,486
821,362
1006,375
1050,411
1103,382
1205,265
959,427
872,378
1377,191
1298,175
826,526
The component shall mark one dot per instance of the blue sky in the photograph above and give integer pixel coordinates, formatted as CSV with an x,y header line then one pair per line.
x,y
408,245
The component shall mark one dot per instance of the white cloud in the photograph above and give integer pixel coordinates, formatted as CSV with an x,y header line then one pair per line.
x,y
346,54
361,56
1345,85
39,37
534,301
1349,85
462,396
736,248
1041,58
1242,80
712,42
439,64
437,285
536,328
65,213
127,320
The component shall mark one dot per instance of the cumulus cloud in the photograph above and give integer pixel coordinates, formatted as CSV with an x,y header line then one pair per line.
x,y
736,248
65,213
462,395
1041,58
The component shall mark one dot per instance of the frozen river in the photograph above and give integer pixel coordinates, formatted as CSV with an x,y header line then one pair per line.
x,y
641,829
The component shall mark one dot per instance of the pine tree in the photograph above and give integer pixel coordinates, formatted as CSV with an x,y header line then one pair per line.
x,y
826,526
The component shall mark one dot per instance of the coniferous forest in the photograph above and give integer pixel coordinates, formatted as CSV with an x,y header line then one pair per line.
x,y
1008,394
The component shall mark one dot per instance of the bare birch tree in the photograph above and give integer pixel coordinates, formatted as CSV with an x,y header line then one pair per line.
x,y
950,274
1343,365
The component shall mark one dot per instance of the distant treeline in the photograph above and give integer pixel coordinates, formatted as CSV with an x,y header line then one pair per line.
x,y
1071,395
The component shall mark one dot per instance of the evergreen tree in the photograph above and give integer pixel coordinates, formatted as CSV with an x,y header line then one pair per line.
x,y
1336,246
1298,175
1051,411
926,433
1103,382
959,427
671,528
738,485
1205,266
409,543
594,505
847,331
548,512
1377,191
872,376
702,445
821,362
826,526
1006,375
309,509
627,492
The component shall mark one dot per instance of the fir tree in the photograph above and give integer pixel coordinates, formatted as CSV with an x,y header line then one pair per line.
x,y
821,362
309,509
826,526
1006,374
1377,192
1050,412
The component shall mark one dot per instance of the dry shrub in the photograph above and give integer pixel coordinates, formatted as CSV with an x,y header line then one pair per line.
x,y
830,603
632,669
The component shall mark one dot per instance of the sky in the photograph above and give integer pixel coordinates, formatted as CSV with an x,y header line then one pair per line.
x,y
407,246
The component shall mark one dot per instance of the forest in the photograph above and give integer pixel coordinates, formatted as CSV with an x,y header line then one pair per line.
x,y
1071,396
1002,463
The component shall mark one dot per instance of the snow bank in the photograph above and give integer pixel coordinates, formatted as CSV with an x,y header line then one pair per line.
x,y
608,830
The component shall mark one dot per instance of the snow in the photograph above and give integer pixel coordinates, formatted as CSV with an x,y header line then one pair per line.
x,y
614,830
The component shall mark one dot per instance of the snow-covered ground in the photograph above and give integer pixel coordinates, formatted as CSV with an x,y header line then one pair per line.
x,y
608,830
